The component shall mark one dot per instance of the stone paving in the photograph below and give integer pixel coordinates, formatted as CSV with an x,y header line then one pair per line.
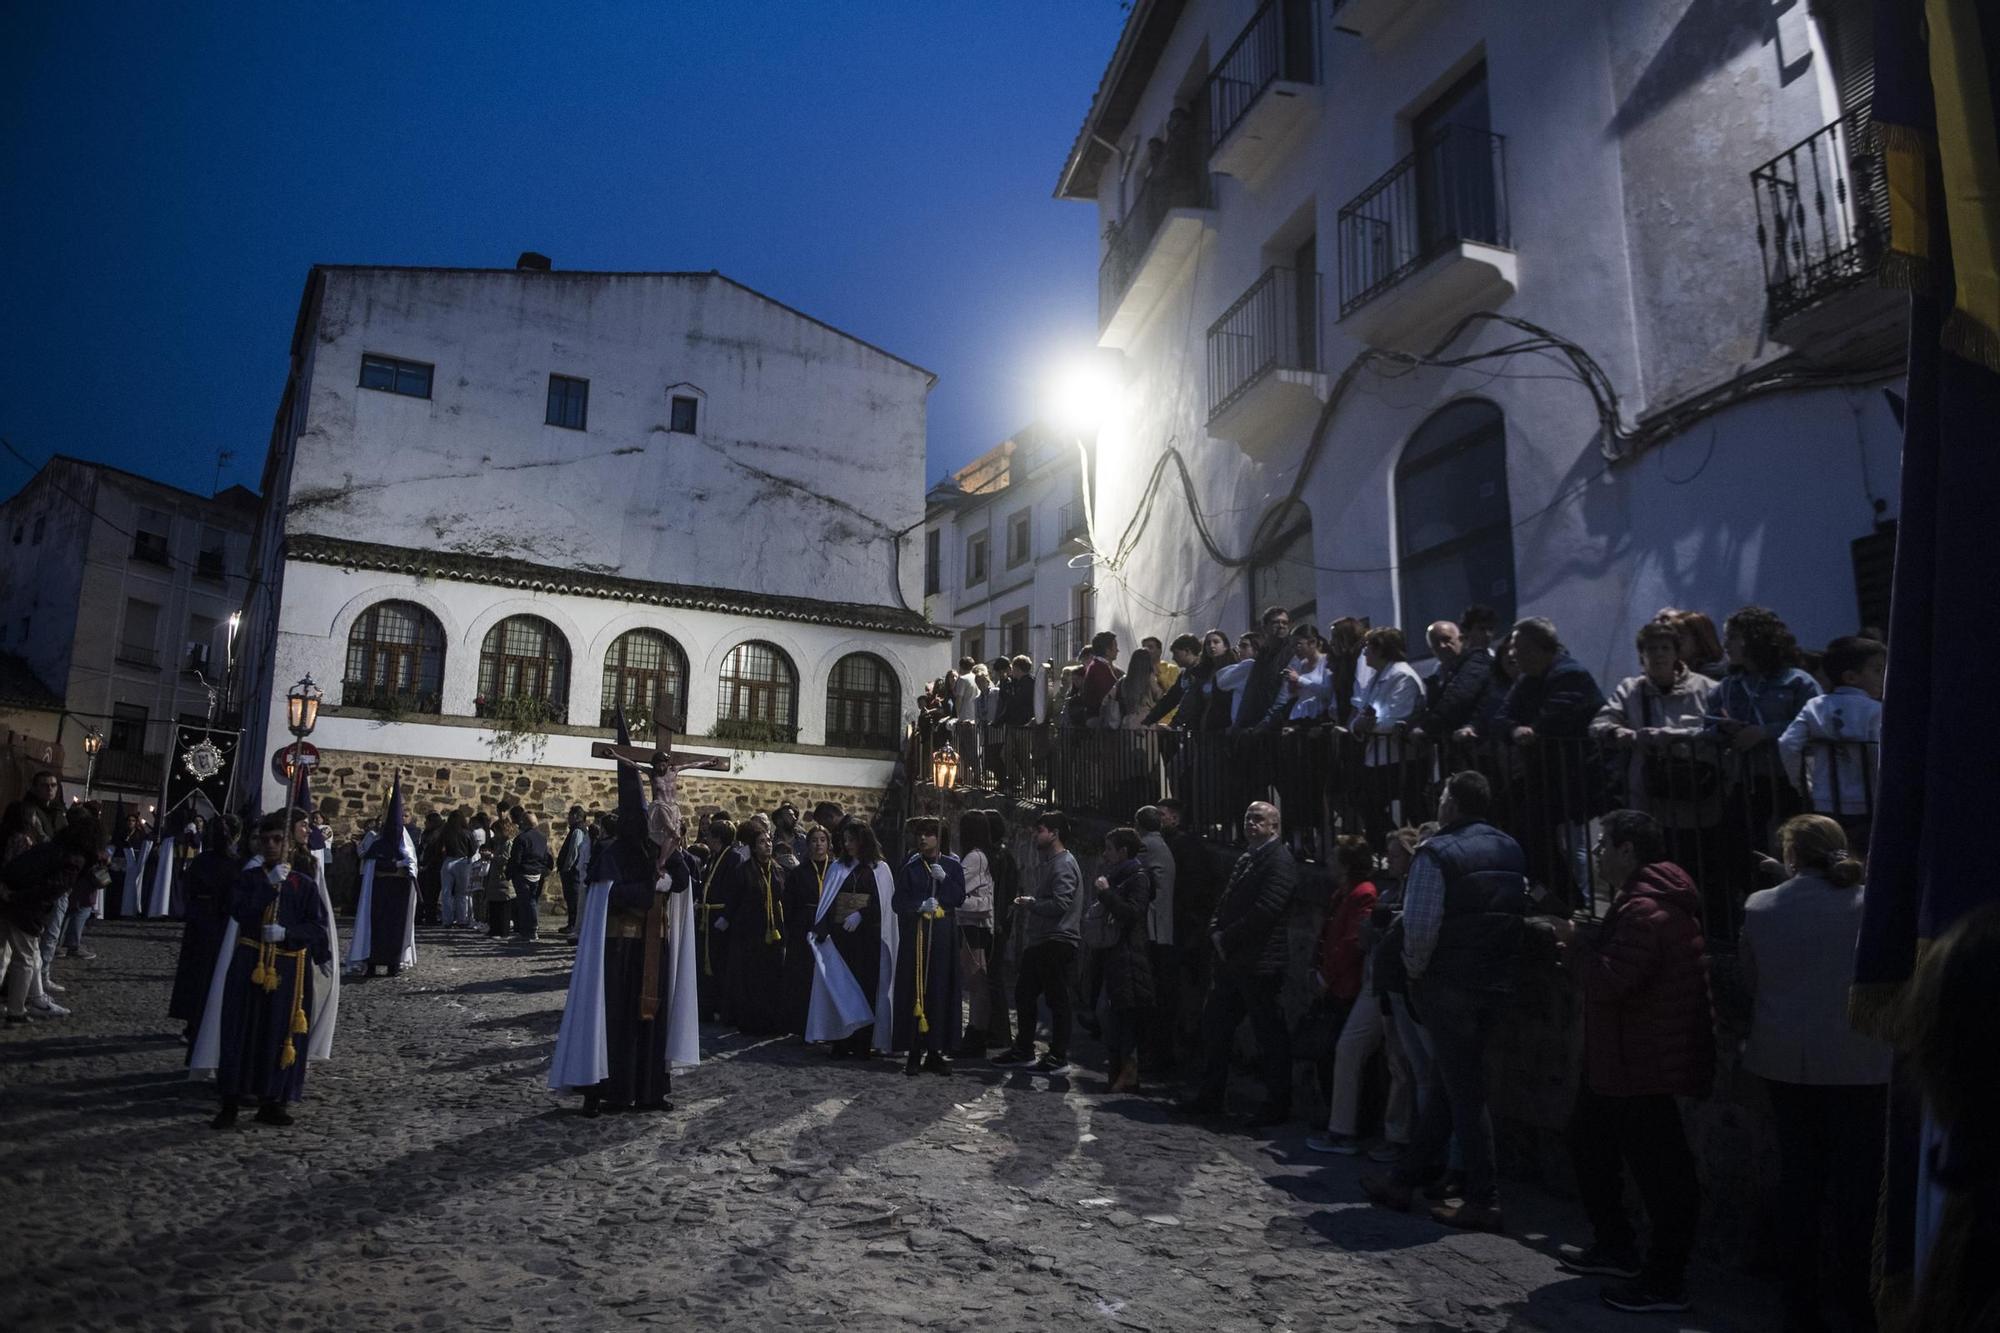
x,y
431,1183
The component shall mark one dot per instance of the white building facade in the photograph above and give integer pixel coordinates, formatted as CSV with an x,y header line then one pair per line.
x,y
503,503
117,592
1672,224
1004,538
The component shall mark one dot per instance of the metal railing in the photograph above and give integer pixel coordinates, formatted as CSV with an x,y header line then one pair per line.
x,y
130,770
1822,215
1275,44
1273,326
1178,179
135,654
1071,519
1718,808
1453,188
1066,640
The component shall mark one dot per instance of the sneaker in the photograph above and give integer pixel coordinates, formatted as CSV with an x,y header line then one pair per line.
x,y
1347,1145
1387,1153
1644,1298
1387,1192
1011,1057
85,954
1599,1261
53,988
47,1009
1450,1185
1048,1064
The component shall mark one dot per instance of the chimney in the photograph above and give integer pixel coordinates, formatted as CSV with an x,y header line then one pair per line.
x,y
529,259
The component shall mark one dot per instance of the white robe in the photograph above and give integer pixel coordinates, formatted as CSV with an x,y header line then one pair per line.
x,y
326,991
582,1058
362,944
160,886
819,1015
135,874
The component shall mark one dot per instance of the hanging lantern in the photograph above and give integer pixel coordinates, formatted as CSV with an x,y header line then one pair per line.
x,y
944,768
302,707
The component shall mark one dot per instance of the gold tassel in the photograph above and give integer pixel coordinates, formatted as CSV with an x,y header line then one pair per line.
x,y
1966,337
774,912
923,938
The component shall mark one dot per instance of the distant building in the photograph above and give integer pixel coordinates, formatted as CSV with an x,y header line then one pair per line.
x,y
115,594
1000,535
504,502
1693,206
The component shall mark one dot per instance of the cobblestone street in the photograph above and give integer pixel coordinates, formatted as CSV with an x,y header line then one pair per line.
x,y
431,1182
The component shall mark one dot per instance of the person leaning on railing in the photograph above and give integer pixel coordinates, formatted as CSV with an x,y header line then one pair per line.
x,y
1748,710
1831,749
1671,770
1548,713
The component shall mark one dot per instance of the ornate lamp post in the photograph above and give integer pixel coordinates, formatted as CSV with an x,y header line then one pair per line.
x,y
93,745
944,773
301,716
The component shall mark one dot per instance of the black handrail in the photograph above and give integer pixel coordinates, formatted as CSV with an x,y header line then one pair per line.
x,y
1178,178
1822,214
1268,49
1453,188
1272,326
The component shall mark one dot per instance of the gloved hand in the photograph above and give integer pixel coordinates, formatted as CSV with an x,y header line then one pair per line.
x,y
851,923
722,923
930,906
937,872
274,933
664,884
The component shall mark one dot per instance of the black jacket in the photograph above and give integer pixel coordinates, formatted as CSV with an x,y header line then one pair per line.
x,y
1127,966
530,855
1251,913
1457,691
1017,701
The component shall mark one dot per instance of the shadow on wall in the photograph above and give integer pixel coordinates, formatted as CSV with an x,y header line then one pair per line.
x,y
1708,35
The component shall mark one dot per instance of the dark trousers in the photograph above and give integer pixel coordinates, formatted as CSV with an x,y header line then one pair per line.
x,y
1460,1025
498,913
1048,970
527,907
569,903
1829,1170
1158,1026
1231,998
1607,1135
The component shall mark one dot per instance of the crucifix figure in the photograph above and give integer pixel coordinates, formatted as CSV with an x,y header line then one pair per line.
x,y
664,767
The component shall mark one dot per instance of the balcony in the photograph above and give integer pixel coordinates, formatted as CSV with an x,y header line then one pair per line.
x,y
129,770
209,565
1429,242
1823,227
1262,91
1263,360
151,547
1067,639
1146,252
139,655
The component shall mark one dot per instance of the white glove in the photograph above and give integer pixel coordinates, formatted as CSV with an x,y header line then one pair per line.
x,y
274,933
937,872
664,884
722,923
851,922
930,905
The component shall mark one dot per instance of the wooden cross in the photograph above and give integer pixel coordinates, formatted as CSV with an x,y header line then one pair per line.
x,y
659,760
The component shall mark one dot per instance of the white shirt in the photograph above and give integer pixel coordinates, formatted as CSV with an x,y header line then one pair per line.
x,y
1833,748
1232,679
977,910
1396,693
1308,697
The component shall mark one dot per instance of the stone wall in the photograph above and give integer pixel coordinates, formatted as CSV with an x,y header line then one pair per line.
x,y
351,788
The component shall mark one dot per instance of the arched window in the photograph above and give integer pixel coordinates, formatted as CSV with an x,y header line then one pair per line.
x,y
524,657
395,659
1284,574
1454,530
644,664
759,694
863,704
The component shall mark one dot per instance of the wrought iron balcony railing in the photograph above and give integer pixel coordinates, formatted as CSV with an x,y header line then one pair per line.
x,y
1275,44
1179,179
129,770
1453,188
1273,326
1822,215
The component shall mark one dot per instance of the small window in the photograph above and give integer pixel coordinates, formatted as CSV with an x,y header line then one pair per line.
x,y
568,397
200,643
128,729
1020,533
975,561
685,418
149,539
933,581
412,379
1014,633
209,562
139,644
41,526
972,644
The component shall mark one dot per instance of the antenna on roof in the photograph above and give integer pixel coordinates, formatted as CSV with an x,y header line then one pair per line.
x,y
222,457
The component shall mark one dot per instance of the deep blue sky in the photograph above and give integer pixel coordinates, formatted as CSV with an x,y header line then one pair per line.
x,y
168,172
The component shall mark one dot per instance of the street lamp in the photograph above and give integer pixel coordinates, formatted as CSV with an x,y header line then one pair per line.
x,y
301,716
944,770
93,745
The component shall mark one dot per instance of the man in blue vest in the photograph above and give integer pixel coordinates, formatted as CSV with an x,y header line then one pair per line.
x,y
1465,908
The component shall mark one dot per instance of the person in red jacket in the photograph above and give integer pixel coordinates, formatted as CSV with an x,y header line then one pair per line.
x,y
1648,1038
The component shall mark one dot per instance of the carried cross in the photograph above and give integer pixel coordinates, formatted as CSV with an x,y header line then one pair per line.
x,y
660,761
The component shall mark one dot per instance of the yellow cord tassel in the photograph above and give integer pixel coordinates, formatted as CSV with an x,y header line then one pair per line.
x,y
774,912
923,969
265,974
